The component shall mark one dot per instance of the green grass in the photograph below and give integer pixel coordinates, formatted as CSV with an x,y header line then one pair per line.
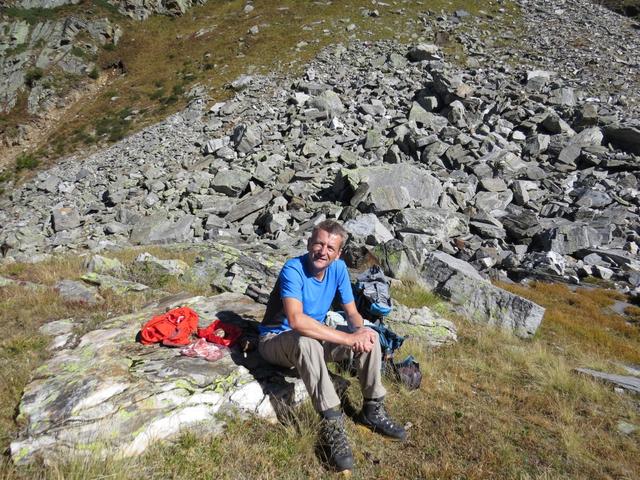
x,y
26,161
31,15
32,76
18,49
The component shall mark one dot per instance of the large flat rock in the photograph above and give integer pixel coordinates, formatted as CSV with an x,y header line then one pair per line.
x,y
476,298
113,397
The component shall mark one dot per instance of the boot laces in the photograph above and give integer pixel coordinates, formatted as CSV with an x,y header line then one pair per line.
x,y
335,437
379,415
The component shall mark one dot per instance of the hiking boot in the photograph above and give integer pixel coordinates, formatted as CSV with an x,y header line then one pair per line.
x,y
335,445
374,416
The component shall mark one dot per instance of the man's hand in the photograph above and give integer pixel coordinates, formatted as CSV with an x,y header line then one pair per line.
x,y
364,340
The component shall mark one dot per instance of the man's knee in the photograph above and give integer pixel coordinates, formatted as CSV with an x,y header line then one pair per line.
x,y
309,347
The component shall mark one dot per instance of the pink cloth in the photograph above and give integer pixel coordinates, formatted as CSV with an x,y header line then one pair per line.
x,y
203,349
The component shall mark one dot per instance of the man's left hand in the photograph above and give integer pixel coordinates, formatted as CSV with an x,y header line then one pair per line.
x,y
364,340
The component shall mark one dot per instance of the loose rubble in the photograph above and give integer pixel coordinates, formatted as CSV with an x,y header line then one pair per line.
x,y
518,172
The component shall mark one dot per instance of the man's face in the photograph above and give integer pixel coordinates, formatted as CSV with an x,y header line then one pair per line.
x,y
323,249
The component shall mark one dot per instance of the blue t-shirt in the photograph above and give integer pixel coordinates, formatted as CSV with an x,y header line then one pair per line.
x,y
296,281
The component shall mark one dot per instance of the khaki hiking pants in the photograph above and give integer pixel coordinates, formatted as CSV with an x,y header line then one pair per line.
x,y
310,357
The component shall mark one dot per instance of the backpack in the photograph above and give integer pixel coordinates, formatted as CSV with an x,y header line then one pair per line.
x,y
373,298
390,341
171,329
406,372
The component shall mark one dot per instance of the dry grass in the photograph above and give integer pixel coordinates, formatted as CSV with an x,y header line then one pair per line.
x,y
581,324
491,406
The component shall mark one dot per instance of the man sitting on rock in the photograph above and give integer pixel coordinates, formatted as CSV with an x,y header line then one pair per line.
x,y
293,334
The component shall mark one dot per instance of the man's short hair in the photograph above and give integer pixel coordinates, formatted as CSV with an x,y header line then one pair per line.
x,y
332,227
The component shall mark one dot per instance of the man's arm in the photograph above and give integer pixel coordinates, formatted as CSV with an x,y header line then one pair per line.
x,y
353,316
368,337
360,340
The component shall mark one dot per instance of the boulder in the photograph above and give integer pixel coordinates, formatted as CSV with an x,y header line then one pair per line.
x,y
130,396
369,229
424,324
116,285
159,228
389,187
172,268
437,225
328,102
104,265
65,218
231,182
568,238
624,137
72,291
246,138
424,51
475,298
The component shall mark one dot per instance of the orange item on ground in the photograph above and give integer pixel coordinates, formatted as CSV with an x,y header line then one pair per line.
x,y
231,333
172,328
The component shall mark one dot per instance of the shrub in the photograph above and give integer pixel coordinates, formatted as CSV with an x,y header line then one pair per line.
x,y
26,161
94,74
32,76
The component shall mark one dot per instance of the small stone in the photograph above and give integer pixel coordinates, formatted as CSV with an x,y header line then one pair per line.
x,y
72,291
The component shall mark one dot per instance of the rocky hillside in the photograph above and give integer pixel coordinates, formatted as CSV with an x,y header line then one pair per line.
x,y
50,53
529,170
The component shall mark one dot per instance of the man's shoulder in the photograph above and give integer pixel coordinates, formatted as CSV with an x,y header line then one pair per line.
x,y
295,264
339,265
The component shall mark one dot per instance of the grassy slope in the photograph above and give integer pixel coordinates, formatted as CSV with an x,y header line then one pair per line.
x,y
491,406
210,45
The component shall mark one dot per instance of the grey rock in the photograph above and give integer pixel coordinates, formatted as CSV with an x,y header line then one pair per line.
x,y
159,228
424,51
72,291
249,204
626,428
489,201
438,224
390,187
627,382
626,138
568,238
65,218
246,138
328,102
104,265
546,262
116,285
369,229
587,137
603,272
427,119
493,184
521,224
243,81
477,299
231,182
424,324
173,268
163,393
